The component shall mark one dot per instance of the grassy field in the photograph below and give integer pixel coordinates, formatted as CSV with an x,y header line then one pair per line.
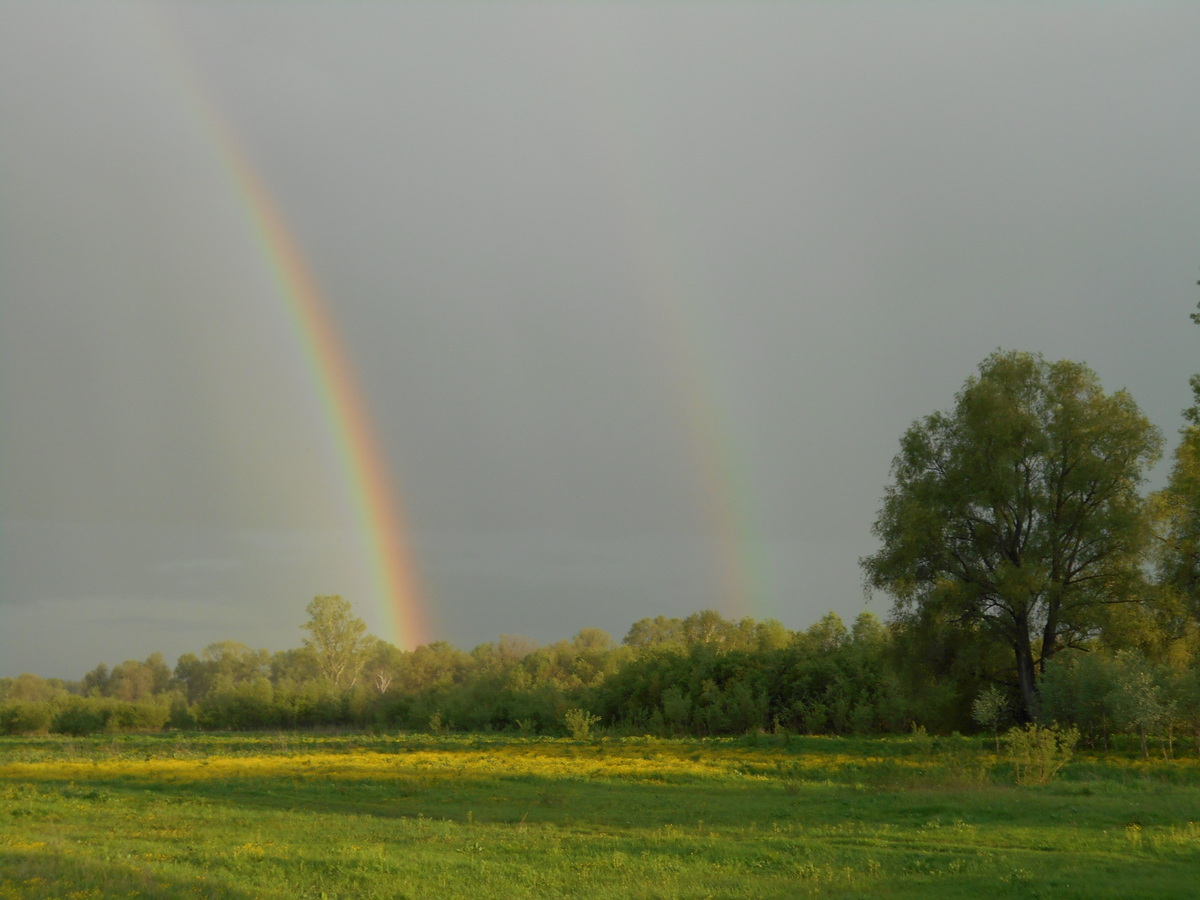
x,y
293,816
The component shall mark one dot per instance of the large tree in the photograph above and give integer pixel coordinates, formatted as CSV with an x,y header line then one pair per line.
x,y
1017,516
1178,506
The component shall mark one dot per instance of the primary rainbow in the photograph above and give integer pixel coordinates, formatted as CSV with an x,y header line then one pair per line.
x,y
374,499
726,489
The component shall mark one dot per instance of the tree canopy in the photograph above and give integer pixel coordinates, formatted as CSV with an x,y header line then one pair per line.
x,y
1016,515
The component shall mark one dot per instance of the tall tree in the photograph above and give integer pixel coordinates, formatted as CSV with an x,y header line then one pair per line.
x,y
337,638
1178,506
1017,514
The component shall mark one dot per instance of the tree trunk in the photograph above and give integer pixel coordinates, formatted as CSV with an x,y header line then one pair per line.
x,y
1026,678
1050,632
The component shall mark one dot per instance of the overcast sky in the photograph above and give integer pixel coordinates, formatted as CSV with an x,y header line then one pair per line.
x,y
640,296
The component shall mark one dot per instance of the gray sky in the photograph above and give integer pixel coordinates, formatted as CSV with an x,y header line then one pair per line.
x,y
639,295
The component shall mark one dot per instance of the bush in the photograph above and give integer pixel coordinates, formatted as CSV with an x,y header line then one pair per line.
x,y
1038,752
243,706
1140,700
126,716
1079,689
181,716
990,709
80,716
90,715
579,722
25,717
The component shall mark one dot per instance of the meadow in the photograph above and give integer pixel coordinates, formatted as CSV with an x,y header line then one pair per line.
x,y
339,816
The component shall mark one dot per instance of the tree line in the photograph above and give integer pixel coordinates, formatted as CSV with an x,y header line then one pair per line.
x,y
702,675
1031,579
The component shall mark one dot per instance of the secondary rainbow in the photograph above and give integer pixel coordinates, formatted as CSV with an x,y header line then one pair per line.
x,y
727,496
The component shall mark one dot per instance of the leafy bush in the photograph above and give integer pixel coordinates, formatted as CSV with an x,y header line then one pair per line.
x,y
1038,752
1140,700
80,716
123,716
990,709
92,715
25,717
579,722
1079,689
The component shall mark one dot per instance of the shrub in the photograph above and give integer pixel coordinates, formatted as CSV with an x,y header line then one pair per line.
x,y
921,743
1140,701
579,722
181,717
92,715
989,710
25,717
676,709
1038,752
1079,689
130,716
80,716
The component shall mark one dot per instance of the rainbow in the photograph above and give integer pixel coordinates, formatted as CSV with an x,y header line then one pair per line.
x,y
726,486
726,493
374,498
373,495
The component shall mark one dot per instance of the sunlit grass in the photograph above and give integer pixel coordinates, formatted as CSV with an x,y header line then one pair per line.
x,y
419,816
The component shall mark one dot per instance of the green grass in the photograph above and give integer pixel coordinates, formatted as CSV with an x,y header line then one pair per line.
x,y
293,816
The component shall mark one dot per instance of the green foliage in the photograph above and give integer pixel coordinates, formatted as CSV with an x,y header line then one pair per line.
x,y
30,688
337,639
579,723
245,705
1177,556
1186,701
227,662
1100,693
181,716
1078,689
965,767
720,678
707,628
25,717
990,709
91,715
1016,515
676,710
133,680
920,740
1141,700
1038,752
